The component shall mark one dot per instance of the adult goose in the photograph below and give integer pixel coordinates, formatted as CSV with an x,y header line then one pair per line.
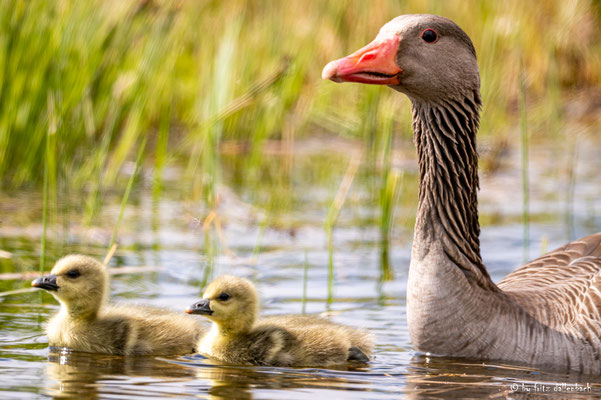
x,y
546,313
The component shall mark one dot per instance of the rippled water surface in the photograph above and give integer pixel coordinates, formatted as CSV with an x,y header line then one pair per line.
x,y
272,245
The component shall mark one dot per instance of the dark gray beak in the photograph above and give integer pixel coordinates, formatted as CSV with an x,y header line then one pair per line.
x,y
200,307
47,282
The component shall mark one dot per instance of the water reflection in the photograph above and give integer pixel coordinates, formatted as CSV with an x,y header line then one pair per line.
x,y
241,382
449,378
74,374
86,375
226,382
77,374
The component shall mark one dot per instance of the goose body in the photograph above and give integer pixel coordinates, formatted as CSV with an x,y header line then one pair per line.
x,y
236,336
85,323
546,313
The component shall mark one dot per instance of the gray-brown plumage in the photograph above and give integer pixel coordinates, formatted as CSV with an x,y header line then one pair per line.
x,y
236,336
546,313
85,323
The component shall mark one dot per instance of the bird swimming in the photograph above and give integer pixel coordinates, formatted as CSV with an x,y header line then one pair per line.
x,y
237,337
85,323
546,313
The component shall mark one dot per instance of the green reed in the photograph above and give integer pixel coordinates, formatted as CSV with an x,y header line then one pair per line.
x,y
524,165
564,137
45,209
160,155
127,192
388,199
332,218
305,279
262,228
572,163
389,191
209,252
50,180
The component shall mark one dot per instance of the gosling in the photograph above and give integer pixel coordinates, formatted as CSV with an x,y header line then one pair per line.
x,y
85,323
237,338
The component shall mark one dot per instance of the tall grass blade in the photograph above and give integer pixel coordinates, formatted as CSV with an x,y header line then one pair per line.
x,y
388,199
109,254
130,184
50,175
209,248
45,209
160,156
524,159
332,217
571,187
262,228
305,276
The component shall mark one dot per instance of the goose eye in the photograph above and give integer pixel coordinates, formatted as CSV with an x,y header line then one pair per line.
x,y
429,36
224,297
73,274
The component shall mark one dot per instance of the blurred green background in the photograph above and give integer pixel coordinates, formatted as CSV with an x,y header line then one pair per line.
x,y
87,88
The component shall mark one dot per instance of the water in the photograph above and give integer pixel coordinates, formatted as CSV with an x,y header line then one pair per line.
x,y
169,234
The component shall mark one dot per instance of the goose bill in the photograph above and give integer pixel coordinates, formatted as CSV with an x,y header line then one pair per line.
x,y
202,307
373,64
47,282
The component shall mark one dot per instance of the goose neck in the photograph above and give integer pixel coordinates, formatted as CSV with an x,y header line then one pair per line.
x,y
445,138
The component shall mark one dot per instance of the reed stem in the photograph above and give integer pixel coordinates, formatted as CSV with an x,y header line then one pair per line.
x,y
524,159
130,184
332,217
305,276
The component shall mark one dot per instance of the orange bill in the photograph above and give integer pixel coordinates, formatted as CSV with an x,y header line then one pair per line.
x,y
373,64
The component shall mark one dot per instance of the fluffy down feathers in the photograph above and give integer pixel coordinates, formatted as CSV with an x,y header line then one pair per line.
x,y
85,323
236,337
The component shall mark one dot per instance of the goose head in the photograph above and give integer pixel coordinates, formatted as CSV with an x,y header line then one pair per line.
x,y
229,301
425,56
78,282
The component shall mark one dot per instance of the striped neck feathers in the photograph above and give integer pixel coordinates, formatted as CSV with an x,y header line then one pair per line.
x,y
445,138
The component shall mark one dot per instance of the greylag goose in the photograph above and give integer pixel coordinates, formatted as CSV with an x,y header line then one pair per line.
x,y
236,337
546,313
85,323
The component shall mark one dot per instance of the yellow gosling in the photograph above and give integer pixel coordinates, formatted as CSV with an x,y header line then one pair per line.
x,y
236,336
85,323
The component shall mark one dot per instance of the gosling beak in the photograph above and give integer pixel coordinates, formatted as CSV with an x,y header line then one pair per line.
x,y
47,282
200,307
373,64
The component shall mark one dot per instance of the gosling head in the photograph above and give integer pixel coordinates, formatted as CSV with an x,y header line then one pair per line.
x,y
229,301
427,57
78,282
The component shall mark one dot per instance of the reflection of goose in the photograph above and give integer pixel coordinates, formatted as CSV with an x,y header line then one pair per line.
x,y
81,375
227,382
231,303
241,382
448,378
546,313
84,323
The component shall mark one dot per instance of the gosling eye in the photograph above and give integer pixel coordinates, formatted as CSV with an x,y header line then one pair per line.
x,y
430,36
74,273
224,297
